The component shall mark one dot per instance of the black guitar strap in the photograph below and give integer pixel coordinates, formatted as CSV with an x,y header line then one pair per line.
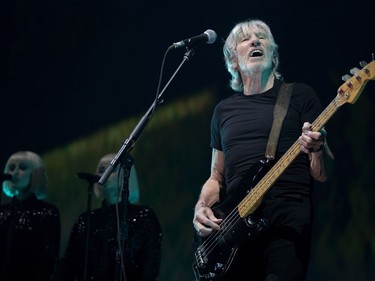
x,y
279,112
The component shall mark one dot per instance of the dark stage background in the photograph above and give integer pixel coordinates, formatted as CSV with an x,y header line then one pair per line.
x,y
78,75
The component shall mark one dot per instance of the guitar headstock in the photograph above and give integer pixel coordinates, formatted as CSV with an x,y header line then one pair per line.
x,y
354,85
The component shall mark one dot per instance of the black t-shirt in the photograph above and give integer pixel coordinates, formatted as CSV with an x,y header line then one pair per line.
x,y
240,127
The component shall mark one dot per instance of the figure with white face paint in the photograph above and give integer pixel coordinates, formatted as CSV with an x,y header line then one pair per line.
x,y
29,226
142,251
274,242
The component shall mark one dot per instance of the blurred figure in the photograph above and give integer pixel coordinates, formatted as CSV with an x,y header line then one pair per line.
x,y
142,251
29,226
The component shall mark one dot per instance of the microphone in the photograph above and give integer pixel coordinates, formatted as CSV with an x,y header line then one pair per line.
x,y
5,177
209,37
90,178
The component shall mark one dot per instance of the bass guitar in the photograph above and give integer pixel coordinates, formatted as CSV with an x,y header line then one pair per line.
x,y
214,254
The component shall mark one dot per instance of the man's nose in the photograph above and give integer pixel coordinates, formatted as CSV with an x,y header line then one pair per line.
x,y
255,42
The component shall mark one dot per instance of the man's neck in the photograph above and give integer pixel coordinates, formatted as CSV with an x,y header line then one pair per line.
x,y
258,83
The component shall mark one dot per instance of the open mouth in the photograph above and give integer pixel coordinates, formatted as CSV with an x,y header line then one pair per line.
x,y
256,53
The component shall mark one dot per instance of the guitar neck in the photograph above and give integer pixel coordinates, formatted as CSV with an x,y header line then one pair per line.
x,y
252,200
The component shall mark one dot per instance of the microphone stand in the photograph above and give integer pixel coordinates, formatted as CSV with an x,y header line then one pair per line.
x,y
132,139
126,165
126,147
88,222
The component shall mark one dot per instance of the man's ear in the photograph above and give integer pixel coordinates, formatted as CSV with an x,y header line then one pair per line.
x,y
235,64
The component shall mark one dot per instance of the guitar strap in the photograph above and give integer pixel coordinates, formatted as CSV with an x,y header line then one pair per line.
x,y
279,112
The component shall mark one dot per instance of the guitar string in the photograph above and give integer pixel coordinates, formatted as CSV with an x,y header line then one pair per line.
x,y
213,240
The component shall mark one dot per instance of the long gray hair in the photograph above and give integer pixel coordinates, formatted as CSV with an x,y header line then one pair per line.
x,y
240,31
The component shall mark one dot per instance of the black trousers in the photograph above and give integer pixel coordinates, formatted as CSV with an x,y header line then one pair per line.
x,y
280,252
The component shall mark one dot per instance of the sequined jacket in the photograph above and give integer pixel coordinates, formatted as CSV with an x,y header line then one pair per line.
x,y
142,248
29,239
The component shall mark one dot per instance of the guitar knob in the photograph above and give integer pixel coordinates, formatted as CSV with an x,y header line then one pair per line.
x,y
354,70
209,276
346,77
219,267
362,63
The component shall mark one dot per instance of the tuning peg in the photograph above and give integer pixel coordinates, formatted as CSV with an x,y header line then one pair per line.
x,y
354,70
346,77
362,63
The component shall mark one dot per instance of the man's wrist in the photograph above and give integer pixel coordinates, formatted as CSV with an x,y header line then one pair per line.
x,y
200,204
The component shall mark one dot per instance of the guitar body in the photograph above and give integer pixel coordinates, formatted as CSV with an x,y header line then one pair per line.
x,y
214,254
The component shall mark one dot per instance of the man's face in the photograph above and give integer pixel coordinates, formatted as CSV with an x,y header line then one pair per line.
x,y
254,53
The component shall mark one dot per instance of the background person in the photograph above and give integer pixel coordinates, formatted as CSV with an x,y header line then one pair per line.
x,y
29,226
142,251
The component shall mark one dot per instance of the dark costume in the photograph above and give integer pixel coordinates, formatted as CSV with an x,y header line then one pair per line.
x,y
240,128
29,239
142,250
